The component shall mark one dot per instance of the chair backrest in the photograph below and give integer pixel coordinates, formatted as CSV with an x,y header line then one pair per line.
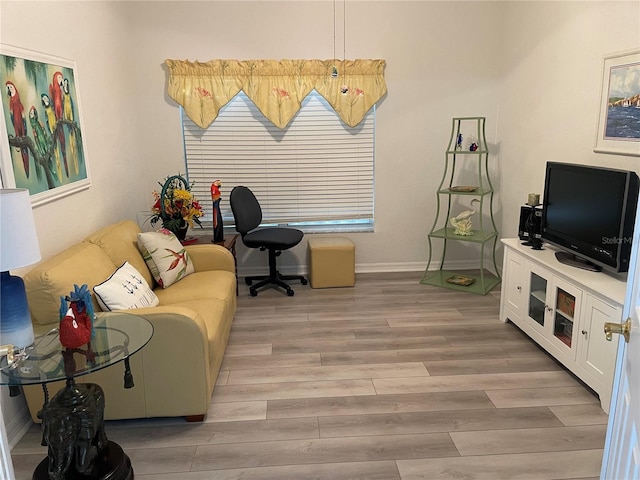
x,y
246,209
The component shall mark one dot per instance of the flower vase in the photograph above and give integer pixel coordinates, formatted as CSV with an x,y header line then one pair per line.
x,y
218,227
179,230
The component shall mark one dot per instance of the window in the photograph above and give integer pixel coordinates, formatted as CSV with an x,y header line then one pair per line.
x,y
317,174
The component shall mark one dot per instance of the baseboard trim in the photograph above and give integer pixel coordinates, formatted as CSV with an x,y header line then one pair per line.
x,y
365,268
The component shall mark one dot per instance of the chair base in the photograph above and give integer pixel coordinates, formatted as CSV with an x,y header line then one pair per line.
x,y
273,282
274,279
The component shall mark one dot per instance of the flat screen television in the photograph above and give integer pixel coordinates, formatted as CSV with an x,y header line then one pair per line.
x,y
589,213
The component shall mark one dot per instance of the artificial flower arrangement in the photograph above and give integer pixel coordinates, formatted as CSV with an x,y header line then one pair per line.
x,y
175,205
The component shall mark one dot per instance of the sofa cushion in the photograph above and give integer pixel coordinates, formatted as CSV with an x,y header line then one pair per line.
x,y
166,257
120,242
217,284
126,288
54,278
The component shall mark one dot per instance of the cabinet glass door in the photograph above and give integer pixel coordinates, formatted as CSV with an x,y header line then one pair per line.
x,y
537,297
563,317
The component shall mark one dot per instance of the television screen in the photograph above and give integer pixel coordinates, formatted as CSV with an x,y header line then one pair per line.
x,y
590,211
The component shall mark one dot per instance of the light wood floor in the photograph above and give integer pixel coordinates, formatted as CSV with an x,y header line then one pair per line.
x,y
388,380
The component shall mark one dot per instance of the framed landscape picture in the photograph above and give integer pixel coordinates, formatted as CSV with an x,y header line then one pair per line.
x,y
42,147
618,128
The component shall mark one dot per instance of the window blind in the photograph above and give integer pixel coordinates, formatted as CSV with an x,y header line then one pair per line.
x,y
317,171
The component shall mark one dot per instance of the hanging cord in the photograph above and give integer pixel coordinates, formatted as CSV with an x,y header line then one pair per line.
x,y
344,38
334,31
334,70
344,89
344,31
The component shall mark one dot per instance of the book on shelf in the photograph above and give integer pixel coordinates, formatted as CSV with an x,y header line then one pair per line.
x,y
566,303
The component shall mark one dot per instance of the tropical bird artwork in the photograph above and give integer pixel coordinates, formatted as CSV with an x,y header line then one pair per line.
x,y
55,94
51,127
43,126
16,109
67,112
39,134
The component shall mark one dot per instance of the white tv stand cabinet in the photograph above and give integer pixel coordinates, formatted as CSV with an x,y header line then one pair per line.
x,y
563,309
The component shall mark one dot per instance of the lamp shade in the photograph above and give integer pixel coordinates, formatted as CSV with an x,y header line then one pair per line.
x,y
18,240
18,248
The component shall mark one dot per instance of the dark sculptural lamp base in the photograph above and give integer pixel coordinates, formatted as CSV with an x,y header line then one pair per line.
x,y
73,430
111,464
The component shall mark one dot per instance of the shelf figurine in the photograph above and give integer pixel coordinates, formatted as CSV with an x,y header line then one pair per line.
x,y
471,143
462,222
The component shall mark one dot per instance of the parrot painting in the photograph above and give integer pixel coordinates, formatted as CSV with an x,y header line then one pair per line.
x,y
19,122
39,135
55,94
67,104
51,127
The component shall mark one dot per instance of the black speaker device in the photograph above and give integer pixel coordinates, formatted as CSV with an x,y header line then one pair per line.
x,y
530,226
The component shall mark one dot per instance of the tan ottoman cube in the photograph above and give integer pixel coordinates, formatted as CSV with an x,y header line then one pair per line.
x,y
332,262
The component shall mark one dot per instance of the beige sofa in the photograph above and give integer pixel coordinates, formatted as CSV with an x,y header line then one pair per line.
x,y
176,371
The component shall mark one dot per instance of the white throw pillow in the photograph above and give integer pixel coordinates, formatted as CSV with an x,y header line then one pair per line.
x,y
126,288
166,257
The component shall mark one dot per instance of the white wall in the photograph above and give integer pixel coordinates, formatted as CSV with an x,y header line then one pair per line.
x,y
532,68
550,94
441,62
94,36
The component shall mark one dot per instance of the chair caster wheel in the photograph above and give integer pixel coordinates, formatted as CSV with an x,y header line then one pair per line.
x,y
303,281
247,281
290,292
253,292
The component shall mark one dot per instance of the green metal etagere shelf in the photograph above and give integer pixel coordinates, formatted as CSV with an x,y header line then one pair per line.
x,y
474,157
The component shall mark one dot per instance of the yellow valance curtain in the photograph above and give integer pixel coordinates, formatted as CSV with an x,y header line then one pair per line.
x,y
276,87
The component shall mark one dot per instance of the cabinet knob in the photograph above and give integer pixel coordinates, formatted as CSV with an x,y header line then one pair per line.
x,y
549,309
584,332
623,329
519,288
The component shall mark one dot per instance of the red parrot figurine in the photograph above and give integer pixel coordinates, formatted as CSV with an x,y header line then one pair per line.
x,y
218,228
76,324
215,191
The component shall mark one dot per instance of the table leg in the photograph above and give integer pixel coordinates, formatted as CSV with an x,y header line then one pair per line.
x,y
235,261
230,244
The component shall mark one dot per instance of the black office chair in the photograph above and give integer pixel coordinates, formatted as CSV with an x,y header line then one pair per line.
x,y
248,215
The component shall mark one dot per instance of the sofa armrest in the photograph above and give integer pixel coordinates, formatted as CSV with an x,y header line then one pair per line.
x,y
207,257
176,364
187,321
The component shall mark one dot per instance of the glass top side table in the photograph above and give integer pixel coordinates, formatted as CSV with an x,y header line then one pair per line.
x,y
117,336
73,420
